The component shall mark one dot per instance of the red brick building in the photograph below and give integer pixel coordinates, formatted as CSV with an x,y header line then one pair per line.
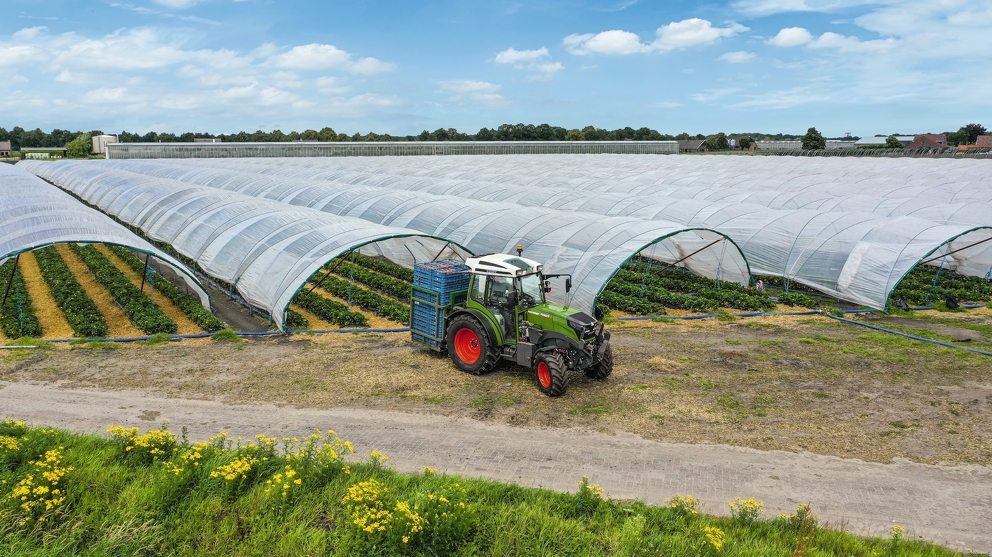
x,y
929,141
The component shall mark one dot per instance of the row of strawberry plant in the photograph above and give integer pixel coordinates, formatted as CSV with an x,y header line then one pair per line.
x,y
17,317
703,298
374,280
138,307
365,299
78,308
798,299
682,280
329,310
296,322
189,305
917,288
383,267
629,304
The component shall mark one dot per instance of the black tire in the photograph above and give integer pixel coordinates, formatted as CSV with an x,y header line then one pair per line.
x,y
603,368
552,377
467,338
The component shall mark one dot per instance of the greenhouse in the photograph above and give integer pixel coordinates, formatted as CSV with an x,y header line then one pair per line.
x,y
589,247
35,214
856,256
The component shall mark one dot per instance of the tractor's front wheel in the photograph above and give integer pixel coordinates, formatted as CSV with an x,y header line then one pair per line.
x,y
604,367
552,376
470,347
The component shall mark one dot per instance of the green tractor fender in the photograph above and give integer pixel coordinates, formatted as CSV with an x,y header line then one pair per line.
x,y
481,318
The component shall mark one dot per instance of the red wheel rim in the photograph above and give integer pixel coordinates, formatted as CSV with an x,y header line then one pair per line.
x,y
544,375
467,346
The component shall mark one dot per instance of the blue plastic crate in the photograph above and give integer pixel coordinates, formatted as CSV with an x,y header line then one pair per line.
x,y
445,276
426,340
427,319
440,298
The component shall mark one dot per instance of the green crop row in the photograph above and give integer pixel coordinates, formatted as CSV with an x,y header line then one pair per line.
x,y
79,310
329,310
629,304
659,289
365,299
679,280
189,305
383,267
138,307
17,318
797,299
375,280
296,322
917,287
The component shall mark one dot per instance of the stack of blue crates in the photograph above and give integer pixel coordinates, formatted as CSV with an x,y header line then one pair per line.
x,y
437,285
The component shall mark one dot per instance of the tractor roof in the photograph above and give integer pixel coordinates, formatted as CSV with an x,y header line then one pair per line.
x,y
499,264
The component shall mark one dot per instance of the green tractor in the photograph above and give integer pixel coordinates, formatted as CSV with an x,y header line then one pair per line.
x,y
492,308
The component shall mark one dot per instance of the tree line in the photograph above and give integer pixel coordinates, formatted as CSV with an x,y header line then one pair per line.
x,y
19,137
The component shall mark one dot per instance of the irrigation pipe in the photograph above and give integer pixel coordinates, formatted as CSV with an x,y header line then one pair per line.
x,y
914,337
16,347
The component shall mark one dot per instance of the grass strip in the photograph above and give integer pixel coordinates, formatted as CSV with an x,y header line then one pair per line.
x,y
154,493
374,280
365,299
189,305
384,267
79,309
17,316
329,310
138,307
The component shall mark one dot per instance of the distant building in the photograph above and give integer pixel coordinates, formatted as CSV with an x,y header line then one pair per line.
x,y
207,140
5,149
879,142
928,141
840,144
100,143
780,145
44,152
692,145
984,142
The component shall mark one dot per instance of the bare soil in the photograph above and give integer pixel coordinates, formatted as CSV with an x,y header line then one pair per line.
x,y
802,383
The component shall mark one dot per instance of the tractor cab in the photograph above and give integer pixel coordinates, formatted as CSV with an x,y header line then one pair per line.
x,y
498,311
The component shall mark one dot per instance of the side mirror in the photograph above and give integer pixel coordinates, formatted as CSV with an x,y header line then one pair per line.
x,y
547,285
512,298
568,284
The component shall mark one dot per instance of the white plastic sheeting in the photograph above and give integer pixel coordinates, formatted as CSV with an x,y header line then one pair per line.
x,y
856,256
590,247
35,214
266,249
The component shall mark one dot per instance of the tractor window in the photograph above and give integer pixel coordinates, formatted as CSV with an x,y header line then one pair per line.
x,y
531,291
499,290
479,288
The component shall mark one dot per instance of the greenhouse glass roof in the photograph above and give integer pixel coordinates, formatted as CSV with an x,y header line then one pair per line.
x,y
859,256
35,214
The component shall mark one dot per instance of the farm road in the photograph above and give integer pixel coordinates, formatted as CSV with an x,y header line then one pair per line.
x,y
947,505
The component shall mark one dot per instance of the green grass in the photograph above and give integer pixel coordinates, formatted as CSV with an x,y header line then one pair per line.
x,y
156,494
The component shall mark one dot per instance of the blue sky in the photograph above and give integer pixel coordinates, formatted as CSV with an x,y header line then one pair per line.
x,y
400,67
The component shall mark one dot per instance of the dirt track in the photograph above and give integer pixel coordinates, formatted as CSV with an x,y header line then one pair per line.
x,y
948,505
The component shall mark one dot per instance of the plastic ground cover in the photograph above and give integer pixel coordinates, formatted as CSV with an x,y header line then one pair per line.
x,y
265,249
35,214
858,256
586,245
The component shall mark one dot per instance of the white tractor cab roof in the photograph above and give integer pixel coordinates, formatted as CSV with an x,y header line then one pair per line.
x,y
502,265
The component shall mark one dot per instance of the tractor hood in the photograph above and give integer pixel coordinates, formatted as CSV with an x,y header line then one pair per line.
x,y
563,319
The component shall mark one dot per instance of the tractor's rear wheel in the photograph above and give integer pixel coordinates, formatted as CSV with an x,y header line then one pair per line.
x,y
470,347
552,376
604,367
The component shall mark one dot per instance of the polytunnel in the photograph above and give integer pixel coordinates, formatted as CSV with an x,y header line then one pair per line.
x,y
265,249
35,214
590,247
855,256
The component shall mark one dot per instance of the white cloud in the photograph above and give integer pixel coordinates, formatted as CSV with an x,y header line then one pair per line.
x,y
178,4
474,92
712,94
675,35
738,57
513,56
104,95
851,44
791,36
331,85
327,57
29,33
546,71
691,32
607,42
